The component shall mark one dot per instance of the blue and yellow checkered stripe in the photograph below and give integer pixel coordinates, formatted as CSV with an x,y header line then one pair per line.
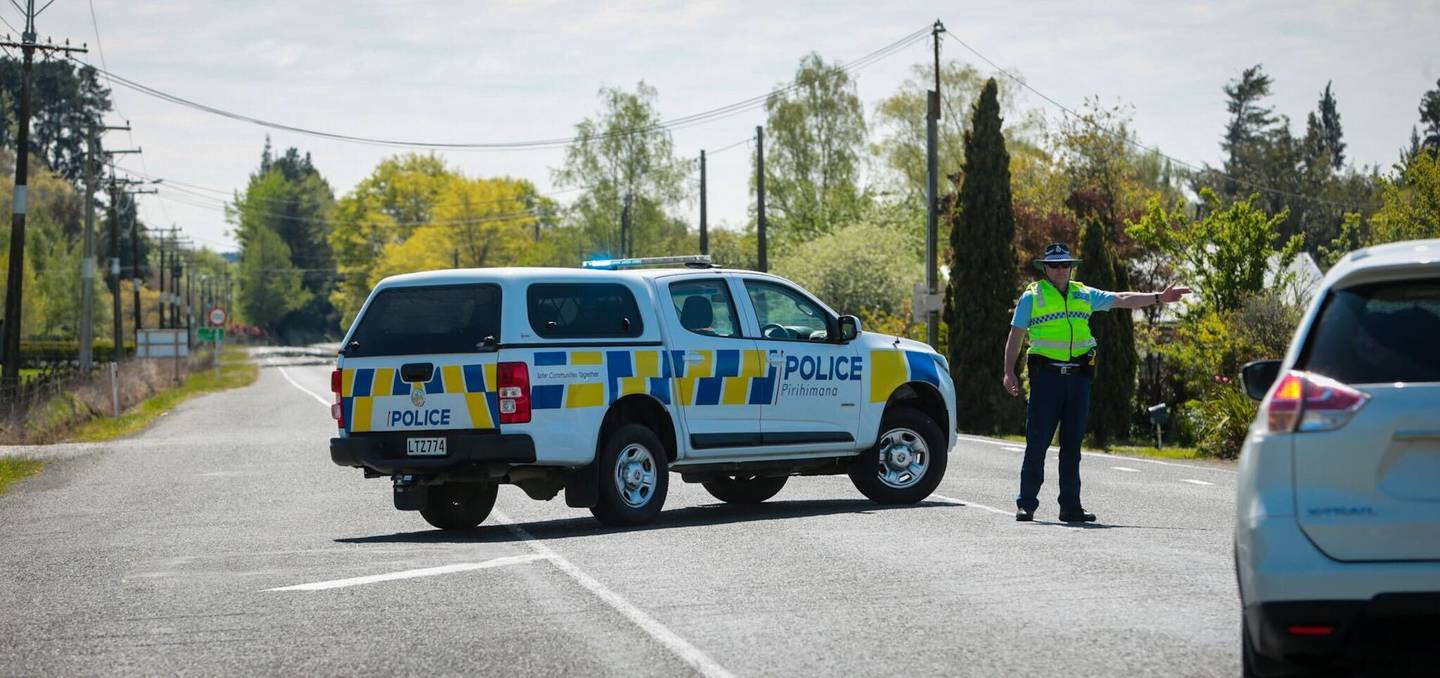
x,y
889,369
625,373
725,377
360,387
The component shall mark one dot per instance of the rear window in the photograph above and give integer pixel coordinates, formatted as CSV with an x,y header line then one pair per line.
x,y
583,310
1377,333
412,320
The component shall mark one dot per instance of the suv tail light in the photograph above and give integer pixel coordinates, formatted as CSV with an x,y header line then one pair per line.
x,y
336,412
1302,402
514,392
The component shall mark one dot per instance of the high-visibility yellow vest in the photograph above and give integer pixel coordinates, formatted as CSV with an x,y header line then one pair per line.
x,y
1059,323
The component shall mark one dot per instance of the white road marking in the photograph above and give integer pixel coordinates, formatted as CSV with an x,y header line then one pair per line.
x,y
967,502
1126,469
296,384
1200,467
688,653
1015,449
411,574
1195,482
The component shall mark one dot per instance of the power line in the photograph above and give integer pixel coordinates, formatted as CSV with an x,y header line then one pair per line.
x,y
538,144
1134,142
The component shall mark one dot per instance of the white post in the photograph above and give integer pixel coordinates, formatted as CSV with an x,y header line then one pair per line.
x,y
217,354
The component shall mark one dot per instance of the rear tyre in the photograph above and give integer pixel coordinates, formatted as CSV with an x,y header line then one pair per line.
x,y
744,489
459,506
634,477
907,461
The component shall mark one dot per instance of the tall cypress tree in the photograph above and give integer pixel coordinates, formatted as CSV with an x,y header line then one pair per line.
x,y
983,282
1113,391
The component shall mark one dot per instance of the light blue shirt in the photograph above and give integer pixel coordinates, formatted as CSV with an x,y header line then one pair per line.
x,y
1100,300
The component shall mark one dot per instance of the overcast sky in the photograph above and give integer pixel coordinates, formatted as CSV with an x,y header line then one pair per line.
x,y
504,71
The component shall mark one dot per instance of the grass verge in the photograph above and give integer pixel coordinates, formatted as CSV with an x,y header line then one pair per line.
x,y
12,470
236,370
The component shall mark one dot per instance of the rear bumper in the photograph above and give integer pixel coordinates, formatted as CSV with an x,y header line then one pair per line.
x,y
386,454
1390,634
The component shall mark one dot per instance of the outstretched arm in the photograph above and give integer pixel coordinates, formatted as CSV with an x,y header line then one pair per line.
x,y
1171,295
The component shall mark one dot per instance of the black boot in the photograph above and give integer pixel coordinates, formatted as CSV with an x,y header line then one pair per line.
x,y
1024,515
1077,515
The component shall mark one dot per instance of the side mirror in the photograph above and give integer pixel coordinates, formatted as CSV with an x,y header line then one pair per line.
x,y
1257,377
849,328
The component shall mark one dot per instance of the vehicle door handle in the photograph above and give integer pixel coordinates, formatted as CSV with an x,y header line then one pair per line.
x,y
694,358
417,372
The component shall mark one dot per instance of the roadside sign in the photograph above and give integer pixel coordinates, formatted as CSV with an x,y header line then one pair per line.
x,y
210,333
216,316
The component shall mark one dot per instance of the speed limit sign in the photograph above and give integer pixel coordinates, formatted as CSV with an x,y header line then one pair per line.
x,y
217,316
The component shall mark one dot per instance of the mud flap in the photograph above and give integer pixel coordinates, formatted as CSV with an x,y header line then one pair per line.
x,y
582,487
410,493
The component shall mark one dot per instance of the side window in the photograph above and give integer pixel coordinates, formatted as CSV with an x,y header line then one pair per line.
x,y
583,310
786,314
705,307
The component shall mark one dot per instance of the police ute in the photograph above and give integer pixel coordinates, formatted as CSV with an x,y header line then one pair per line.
x,y
601,381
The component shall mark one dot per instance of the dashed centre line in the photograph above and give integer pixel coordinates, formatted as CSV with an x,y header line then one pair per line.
x,y
1194,482
1126,469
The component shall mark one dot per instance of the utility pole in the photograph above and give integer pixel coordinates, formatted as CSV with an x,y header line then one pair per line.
x,y
704,227
10,376
87,265
760,194
135,259
162,301
932,211
625,228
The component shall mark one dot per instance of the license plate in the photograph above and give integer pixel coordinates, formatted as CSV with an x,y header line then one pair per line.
x,y
425,447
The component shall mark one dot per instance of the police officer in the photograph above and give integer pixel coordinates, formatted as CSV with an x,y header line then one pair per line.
x,y
1055,312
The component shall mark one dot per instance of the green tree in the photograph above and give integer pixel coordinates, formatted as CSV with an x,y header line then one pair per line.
x,y
624,152
1260,151
398,197
983,282
288,196
1411,203
858,269
1430,118
1229,255
66,102
815,134
270,287
1112,404
1324,137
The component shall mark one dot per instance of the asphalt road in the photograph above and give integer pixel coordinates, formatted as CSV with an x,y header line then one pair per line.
x,y
161,554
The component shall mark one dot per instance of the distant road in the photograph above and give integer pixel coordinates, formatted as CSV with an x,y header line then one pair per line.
x,y
223,541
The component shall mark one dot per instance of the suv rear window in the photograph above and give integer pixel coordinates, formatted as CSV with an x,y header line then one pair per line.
x,y
442,319
1377,333
583,310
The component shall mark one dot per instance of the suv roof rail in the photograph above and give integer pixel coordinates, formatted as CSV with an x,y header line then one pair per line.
x,y
689,260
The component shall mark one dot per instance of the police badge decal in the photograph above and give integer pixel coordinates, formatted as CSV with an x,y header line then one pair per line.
x,y
417,396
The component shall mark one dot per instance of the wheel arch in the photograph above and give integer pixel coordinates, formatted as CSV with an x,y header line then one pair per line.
x,y
640,409
921,396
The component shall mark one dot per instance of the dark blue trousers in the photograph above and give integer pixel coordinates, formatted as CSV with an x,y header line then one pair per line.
x,y
1055,400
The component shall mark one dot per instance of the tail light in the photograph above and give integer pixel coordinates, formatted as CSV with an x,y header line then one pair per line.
x,y
336,412
514,392
1303,402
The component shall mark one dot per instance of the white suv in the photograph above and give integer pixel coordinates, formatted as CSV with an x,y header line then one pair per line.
x,y
600,382
1337,533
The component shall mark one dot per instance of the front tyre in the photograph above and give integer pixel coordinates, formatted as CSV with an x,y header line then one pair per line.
x,y
907,461
744,489
633,477
459,506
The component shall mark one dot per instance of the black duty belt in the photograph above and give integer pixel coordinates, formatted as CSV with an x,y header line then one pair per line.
x,y
1082,365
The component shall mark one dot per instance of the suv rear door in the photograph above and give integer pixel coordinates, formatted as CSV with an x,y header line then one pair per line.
x,y
721,380
422,358
1370,490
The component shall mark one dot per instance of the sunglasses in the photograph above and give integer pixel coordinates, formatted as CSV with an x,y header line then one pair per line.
x,y
1062,264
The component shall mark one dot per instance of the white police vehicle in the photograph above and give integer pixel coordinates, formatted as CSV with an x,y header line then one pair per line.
x,y
600,381
1337,532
